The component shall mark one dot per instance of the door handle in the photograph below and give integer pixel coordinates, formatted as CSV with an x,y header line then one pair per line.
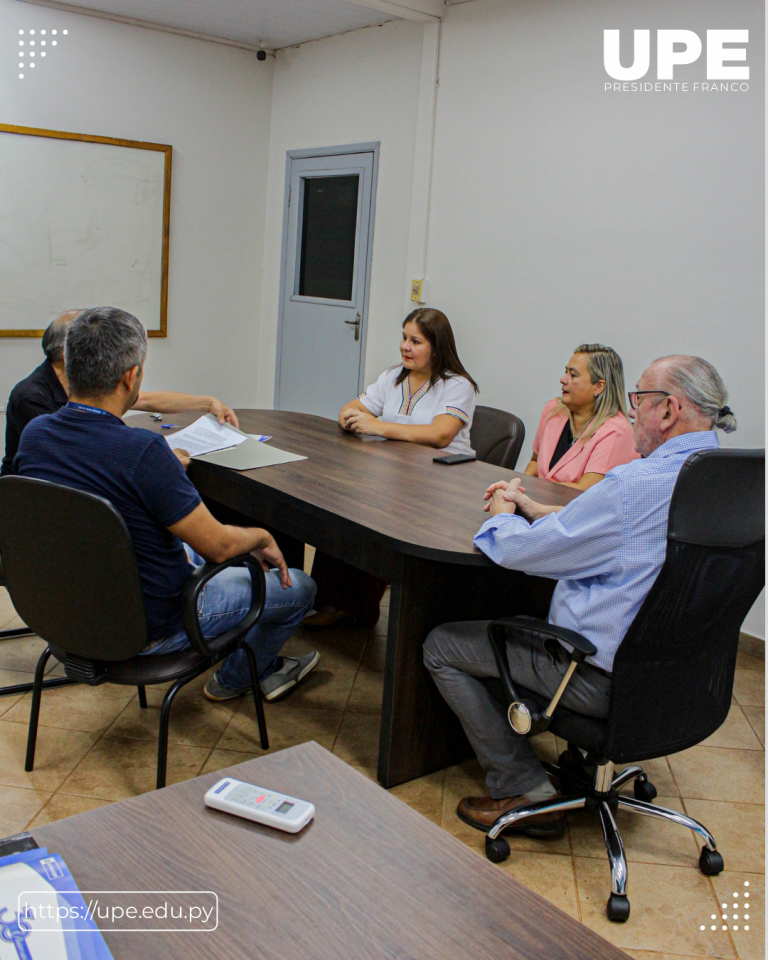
x,y
356,324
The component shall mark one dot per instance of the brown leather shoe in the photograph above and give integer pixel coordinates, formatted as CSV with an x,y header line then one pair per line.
x,y
326,617
482,812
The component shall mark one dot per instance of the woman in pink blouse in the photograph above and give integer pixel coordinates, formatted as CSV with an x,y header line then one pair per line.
x,y
586,432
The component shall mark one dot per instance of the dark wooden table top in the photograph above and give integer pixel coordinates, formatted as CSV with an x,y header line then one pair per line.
x,y
390,487
368,878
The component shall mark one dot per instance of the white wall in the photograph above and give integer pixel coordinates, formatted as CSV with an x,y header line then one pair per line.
x,y
562,213
212,103
353,88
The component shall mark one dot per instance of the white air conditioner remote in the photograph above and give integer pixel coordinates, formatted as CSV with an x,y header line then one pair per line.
x,y
264,806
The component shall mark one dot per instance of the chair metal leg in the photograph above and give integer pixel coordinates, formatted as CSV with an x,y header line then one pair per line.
x,y
542,806
664,813
258,703
143,698
626,776
49,684
162,738
16,633
34,713
615,849
19,688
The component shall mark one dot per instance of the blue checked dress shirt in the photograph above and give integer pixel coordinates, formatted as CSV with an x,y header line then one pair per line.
x,y
605,548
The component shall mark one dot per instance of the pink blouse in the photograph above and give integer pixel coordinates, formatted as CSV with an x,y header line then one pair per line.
x,y
613,443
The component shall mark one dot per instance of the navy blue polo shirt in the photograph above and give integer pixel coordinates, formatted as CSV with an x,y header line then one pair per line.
x,y
142,478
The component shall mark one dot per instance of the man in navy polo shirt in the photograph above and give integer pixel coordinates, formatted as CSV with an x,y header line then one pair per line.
x,y
87,446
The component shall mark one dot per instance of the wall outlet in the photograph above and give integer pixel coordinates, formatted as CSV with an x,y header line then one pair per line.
x,y
419,291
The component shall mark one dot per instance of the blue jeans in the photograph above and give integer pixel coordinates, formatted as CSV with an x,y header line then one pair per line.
x,y
223,603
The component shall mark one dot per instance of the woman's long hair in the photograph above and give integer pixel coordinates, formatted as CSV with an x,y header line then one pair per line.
x,y
603,363
445,358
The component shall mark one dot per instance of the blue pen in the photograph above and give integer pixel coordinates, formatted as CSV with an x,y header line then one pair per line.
x,y
168,426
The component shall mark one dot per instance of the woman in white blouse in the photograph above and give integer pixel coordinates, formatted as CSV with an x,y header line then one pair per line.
x,y
428,399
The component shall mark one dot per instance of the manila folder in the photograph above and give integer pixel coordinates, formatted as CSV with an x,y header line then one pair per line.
x,y
249,456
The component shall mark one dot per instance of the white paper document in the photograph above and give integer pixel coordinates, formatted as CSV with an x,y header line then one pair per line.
x,y
205,435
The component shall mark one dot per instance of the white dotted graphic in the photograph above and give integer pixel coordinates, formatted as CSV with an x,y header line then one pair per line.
x,y
32,53
735,916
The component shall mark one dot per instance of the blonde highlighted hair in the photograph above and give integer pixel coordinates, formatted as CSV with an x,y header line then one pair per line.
x,y
603,363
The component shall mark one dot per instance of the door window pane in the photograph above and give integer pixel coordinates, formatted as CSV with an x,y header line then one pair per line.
x,y
329,219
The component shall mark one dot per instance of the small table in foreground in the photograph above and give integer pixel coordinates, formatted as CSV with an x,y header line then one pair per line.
x,y
368,878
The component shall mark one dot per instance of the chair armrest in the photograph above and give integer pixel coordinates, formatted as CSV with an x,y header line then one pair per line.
x,y
192,588
541,630
524,716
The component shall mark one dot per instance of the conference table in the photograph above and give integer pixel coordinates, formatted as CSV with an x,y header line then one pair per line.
x,y
367,878
385,508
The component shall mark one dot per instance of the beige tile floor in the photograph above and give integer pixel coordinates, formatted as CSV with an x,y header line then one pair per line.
x,y
96,745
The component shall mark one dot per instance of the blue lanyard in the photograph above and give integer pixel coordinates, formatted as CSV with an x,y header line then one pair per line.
x,y
86,409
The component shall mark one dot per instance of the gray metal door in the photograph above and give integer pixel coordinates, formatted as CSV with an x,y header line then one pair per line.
x,y
328,232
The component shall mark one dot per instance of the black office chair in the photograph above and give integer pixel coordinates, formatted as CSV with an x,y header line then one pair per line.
x,y
673,672
73,577
497,436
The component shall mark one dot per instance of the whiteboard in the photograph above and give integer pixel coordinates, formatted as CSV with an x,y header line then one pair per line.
x,y
83,223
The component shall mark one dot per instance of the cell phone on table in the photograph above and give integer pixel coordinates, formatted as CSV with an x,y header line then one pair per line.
x,y
455,458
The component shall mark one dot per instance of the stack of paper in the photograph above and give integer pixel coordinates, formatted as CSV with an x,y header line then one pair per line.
x,y
206,435
42,913
227,446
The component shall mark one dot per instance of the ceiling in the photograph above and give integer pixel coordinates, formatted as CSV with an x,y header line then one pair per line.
x,y
271,23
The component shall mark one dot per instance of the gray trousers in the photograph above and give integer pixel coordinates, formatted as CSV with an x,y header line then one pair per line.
x,y
460,658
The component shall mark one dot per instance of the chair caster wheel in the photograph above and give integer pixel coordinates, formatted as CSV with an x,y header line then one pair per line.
x,y
496,850
645,790
710,862
617,908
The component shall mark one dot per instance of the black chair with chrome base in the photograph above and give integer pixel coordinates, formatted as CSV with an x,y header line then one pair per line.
x,y
76,583
496,436
673,672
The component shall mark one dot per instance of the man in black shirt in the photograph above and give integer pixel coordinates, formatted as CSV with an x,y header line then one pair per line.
x,y
46,390
43,391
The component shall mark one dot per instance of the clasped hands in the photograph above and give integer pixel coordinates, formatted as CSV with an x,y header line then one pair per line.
x,y
509,497
355,421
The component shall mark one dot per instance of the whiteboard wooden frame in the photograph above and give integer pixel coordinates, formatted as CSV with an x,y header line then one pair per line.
x,y
136,145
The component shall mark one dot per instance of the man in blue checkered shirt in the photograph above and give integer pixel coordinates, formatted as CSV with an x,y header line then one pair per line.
x,y
605,549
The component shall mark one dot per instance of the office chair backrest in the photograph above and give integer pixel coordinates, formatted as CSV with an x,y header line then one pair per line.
x,y
497,436
71,569
673,673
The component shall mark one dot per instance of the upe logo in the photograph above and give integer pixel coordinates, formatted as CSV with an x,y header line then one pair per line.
x,y
676,48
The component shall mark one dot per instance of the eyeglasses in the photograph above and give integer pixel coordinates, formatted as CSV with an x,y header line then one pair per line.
x,y
639,393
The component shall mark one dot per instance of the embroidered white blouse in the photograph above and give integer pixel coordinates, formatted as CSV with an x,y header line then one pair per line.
x,y
394,403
